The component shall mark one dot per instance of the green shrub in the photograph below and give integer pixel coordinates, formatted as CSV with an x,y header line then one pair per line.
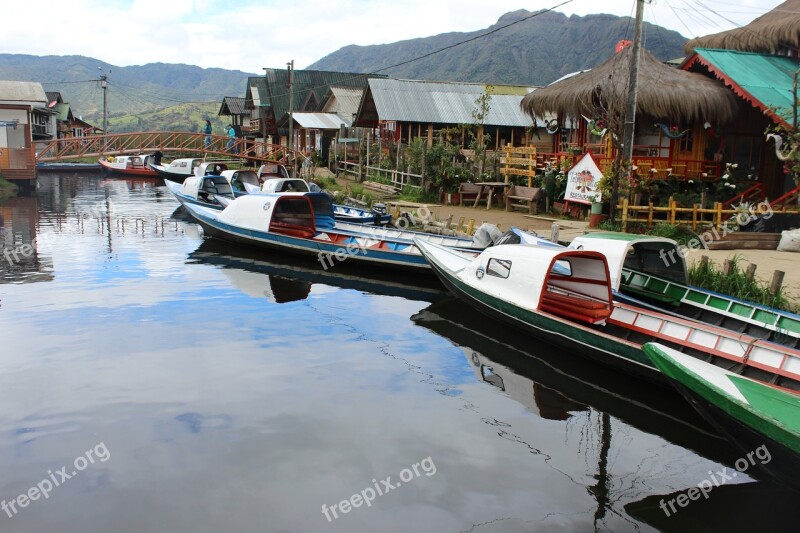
x,y
710,276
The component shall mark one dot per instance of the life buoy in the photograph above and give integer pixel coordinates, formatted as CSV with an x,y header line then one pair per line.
x,y
551,126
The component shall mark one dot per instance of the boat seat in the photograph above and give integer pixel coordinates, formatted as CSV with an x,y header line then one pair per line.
x,y
574,307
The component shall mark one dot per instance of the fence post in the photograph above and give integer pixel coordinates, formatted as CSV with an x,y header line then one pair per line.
x,y
624,214
672,211
726,267
694,216
718,214
650,215
777,281
751,272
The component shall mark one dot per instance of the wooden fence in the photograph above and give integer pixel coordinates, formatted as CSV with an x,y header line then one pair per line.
x,y
672,214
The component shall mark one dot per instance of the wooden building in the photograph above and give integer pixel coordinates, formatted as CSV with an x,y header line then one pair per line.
x,y
24,116
402,110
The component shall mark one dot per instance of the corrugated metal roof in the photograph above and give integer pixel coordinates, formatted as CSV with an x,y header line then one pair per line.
x,y
344,102
22,91
233,105
763,80
319,121
447,102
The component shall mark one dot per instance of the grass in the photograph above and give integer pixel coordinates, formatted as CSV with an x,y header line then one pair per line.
x,y
416,194
710,276
327,183
7,189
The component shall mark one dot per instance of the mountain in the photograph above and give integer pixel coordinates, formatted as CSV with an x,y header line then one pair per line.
x,y
136,94
536,51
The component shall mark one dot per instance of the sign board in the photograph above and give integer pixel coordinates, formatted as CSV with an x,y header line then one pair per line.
x,y
583,180
348,139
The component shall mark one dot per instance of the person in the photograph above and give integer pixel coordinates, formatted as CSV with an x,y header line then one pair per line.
x,y
207,131
231,138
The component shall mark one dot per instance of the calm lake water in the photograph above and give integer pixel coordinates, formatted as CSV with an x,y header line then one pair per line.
x,y
185,385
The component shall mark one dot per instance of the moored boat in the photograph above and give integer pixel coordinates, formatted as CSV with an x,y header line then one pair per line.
x,y
177,170
649,271
564,296
759,419
129,165
303,223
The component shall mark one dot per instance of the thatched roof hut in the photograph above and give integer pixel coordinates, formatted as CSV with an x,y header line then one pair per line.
x,y
664,92
774,32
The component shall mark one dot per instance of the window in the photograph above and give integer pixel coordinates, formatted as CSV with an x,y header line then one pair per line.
x,y
499,267
561,268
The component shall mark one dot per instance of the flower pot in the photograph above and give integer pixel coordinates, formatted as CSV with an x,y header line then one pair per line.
x,y
597,208
595,219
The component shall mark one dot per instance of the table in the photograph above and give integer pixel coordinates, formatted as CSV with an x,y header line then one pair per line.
x,y
492,188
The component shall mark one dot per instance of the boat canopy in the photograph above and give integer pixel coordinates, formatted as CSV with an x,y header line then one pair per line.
x,y
272,170
238,179
195,186
210,168
286,213
656,256
533,277
284,185
183,165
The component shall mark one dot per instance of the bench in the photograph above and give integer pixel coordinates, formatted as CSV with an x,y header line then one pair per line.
x,y
468,191
574,307
527,197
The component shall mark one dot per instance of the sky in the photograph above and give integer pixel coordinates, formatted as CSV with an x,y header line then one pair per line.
x,y
249,35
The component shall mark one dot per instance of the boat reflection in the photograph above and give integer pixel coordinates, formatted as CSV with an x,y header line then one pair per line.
x,y
553,383
756,506
293,276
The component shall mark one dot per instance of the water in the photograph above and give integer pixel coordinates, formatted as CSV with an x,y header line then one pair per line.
x,y
219,389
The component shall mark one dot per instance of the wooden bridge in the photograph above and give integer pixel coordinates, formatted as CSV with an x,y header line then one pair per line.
x,y
168,142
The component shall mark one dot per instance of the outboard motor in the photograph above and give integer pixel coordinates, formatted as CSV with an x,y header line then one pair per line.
x,y
486,235
508,237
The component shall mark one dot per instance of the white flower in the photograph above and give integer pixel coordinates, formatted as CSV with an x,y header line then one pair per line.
x,y
704,174
691,181
669,170
725,177
634,167
735,165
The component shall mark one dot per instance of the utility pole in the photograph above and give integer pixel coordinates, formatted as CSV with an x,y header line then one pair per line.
x,y
630,104
290,142
104,85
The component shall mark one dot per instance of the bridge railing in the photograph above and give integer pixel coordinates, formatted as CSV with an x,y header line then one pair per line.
x,y
166,142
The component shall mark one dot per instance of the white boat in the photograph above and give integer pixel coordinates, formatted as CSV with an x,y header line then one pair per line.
x,y
564,296
129,165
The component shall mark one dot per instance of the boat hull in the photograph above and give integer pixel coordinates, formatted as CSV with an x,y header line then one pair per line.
x,y
172,176
784,464
144,172
328,254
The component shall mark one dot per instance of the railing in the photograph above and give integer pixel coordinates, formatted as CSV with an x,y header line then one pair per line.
x,y
696,169
787,202
40,129
634,213
182,142
756,193
398,178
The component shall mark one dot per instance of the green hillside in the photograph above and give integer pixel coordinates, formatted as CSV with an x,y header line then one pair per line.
x,y
134,92
537,51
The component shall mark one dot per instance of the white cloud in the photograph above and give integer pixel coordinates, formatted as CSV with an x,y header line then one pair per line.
x,y
249,35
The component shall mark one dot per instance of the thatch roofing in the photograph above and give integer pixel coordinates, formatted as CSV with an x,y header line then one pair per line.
x,y
770,33
664,92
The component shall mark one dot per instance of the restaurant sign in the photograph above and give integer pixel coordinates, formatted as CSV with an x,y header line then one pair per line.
x,y
583,181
